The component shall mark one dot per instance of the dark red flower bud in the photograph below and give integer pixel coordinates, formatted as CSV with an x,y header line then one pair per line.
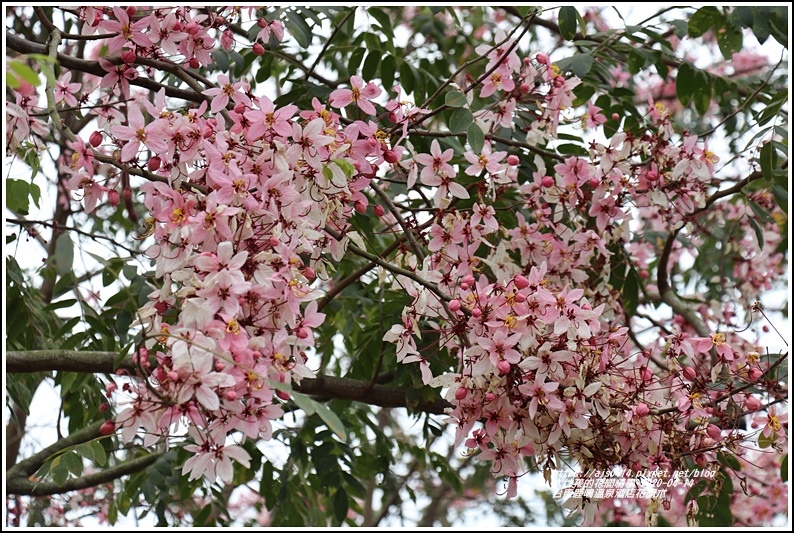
x,y
390,156
114,197
128,56
154,163
379,211
259,49
107,428
95,139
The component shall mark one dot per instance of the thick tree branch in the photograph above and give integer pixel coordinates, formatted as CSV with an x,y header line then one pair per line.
x,y
22,46
18,476
666,292
324,387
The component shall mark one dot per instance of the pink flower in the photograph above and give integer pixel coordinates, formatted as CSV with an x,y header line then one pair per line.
x,y
137,132
487,160
221,95
435,163
65,91
773,422
359,94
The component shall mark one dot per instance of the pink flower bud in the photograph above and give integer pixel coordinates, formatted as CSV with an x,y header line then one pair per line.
x,y
524,88
513,160
641,409
360,207
193,63
302,333
230,395
110,388
755,373
476,312
615,116
521,282
262,23
95,139
520,298
503,367
192,28
461,393
379,211
131,10
647,374
542,58
284,395
107,428
490,396
714,432
752,403
274,241
309,273
593,182
127,194
128,56
219,365
390,156
454,305
468,279
239,108
547,181
644,274
114,197
258,49
559,81
154,163
465,286
690,373
172,375
701,461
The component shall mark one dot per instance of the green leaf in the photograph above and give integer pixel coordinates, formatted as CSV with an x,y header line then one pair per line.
x,y
17,197
406,77
702,96
729,461
64,254
370,68
578,65
768,161
766,442
26,73
685,83
297,27
384,21
631,292
387,69
729,40
340,504
355,60
460,120
761,28
331,420
455,99
567,20
742,16
784,469
303,402
476,137
703,20
759,233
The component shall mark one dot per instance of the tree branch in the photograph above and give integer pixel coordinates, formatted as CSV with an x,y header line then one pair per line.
x,y
22,46
323,387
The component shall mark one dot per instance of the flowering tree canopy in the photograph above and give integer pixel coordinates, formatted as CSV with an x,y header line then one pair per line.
x,y
347,265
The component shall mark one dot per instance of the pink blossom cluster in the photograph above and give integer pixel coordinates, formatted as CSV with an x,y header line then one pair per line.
x,y
250,205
